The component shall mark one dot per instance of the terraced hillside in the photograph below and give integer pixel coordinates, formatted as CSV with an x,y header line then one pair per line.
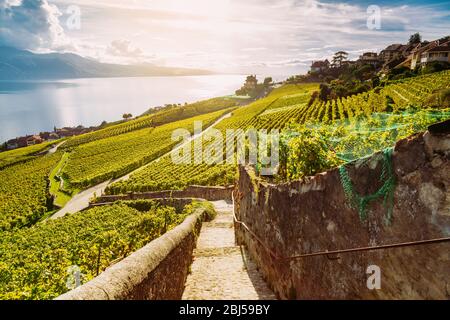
x,y
154,119
30,178
34,256
35,262
112,157
285,105
12,157
24,194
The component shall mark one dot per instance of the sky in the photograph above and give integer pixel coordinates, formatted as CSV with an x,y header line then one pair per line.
x,y
234,36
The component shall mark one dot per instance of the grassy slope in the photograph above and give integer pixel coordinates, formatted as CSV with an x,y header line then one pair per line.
x,y
60,197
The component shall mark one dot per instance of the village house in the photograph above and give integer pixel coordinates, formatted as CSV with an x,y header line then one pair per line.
x,y
369,58
394,56
426,52
413,60
70,132
49,136
319,66
30,140
12,144
34,139
396,51
349,63
391,52
438,53
21,142
53,136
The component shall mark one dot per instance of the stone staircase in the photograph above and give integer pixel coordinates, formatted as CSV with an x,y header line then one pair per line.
x,y
221,270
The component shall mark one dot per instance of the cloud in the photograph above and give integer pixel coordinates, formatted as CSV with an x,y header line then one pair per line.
x,y
289,63
122,51
253,49
31,24
123,48
223,35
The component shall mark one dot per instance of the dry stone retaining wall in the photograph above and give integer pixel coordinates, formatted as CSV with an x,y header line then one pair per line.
x,y
313,215
204,192
177,203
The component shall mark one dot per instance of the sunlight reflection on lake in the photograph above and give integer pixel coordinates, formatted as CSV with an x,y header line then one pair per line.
x,y
28,107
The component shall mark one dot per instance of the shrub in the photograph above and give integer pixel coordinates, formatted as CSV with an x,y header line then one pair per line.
x,y
306,154
440,99
435,66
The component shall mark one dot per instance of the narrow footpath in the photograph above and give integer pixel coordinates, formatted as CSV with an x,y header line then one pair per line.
x,y
221,270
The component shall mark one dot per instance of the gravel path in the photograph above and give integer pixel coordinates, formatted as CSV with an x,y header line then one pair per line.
x,y
81,200
55,148
221,270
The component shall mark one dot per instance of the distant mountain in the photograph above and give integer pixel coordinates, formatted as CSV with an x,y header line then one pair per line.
x,y
24,65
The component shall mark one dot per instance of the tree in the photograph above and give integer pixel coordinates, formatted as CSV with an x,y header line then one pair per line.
x,y
328,79
267,81
340,91
324,91
400,73
338,58
415,38
375,82
126,116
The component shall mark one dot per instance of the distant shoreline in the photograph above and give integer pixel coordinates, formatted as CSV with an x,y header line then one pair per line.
x,y
118,77
31,106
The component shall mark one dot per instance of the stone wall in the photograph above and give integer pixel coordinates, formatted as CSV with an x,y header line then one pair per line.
x,y
313,215
157,271
177,203
202,192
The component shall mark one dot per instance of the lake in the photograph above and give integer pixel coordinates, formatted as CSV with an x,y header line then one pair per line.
x,y
28,107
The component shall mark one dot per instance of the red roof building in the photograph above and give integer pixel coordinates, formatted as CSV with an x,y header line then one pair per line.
x,y
318,66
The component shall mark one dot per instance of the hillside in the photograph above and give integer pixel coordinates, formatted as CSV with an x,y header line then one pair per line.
x,y
134,157
289,105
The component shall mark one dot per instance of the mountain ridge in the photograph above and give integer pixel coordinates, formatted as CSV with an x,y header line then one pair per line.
x,y
16,64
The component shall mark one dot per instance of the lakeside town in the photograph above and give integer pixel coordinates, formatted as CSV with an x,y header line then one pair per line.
x,y
56,134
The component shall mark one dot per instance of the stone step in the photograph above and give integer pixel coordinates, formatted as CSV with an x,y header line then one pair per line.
x,y
224,213
215,237
225,277
224,217
211,252
219,224
222,270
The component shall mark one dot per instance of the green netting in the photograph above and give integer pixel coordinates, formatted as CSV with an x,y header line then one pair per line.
x,y
360,137
386,191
